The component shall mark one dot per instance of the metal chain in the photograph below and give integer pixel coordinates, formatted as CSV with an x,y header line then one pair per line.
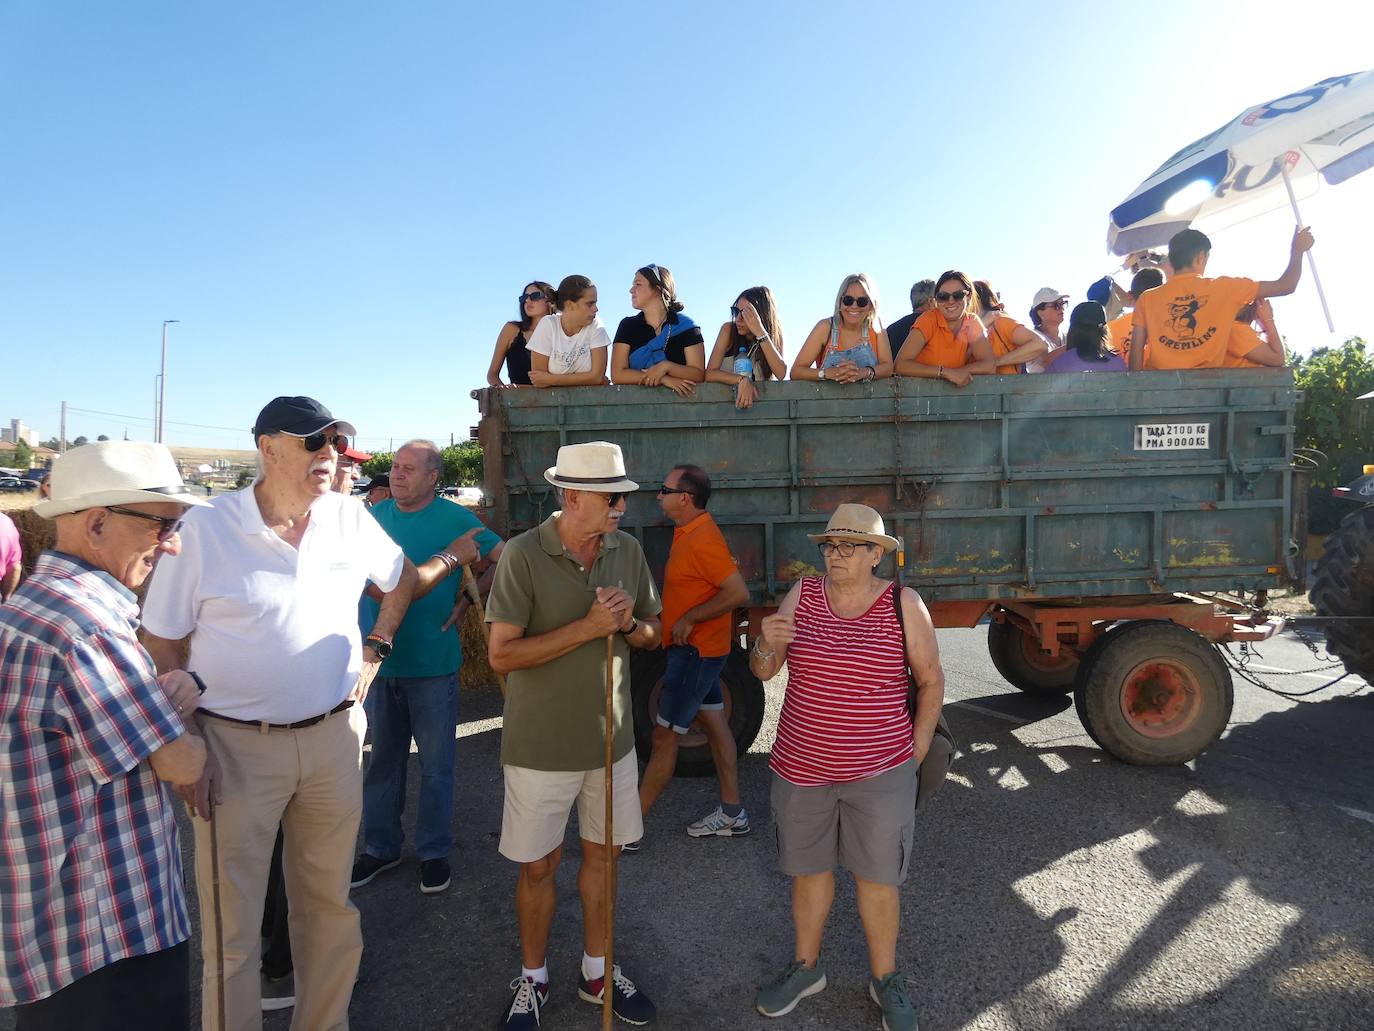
x,y
1240,666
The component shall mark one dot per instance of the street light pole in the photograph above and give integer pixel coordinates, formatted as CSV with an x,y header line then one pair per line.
x,y
162,379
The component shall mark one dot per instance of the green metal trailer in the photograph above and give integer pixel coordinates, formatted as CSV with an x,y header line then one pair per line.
x,y
1114,527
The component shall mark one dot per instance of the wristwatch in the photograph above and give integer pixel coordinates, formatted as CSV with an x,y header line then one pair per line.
x,y
380,645
634,625
820,374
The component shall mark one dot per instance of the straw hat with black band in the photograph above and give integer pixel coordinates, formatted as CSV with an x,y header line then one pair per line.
x,y
859,523
595,466
114,472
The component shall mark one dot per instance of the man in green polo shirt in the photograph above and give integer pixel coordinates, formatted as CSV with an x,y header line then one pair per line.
x,y
560,590
416,690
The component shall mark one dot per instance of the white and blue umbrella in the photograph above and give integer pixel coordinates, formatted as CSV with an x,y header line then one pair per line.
x,y
1265,157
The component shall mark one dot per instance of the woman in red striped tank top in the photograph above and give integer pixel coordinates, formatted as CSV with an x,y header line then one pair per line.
x,y
847,752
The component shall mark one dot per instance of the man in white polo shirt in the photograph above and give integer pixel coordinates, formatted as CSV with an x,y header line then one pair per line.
x,y
262,602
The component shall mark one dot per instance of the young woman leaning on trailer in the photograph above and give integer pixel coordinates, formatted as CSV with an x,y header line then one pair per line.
x,y
948,342
1012,343
849,346
568,347
512,343
659,347
748,348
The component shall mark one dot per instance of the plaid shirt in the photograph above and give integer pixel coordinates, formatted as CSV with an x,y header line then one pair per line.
x,y
90,869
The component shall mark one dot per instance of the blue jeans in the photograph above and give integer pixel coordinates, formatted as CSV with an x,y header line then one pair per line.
x,y
399,708
690,684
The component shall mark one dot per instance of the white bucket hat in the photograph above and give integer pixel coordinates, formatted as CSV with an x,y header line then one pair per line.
x,y
596,466
114,472
857,523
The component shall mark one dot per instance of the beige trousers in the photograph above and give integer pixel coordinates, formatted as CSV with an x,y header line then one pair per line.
x,y
309,781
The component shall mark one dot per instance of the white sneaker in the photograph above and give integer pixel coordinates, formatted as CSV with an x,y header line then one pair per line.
x,y
717,823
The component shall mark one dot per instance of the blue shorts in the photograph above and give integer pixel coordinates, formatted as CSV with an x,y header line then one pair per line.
x,y
690,683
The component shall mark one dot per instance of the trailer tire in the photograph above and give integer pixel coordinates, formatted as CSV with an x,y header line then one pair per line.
x,y
1343,585
1154,694
1018,658
744,709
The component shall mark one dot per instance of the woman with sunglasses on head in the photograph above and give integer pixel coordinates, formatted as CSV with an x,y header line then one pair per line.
x,y
1047,316
513,340
659,347
948,342
1012,343
568,347
748,348
850,346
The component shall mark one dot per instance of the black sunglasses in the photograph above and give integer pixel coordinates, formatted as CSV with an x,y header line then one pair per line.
x,y
1058,305
735,311
167,525
951,295
316,441
854,302
614,499
665,489
533,295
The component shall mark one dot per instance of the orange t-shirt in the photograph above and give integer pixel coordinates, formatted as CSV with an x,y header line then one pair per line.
x,y
999,336
1244,339
943,346
1189,320
1119,332
698,565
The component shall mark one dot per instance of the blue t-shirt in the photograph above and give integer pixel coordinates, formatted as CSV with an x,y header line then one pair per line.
x,y
421,648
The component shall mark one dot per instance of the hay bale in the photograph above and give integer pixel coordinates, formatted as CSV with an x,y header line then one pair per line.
x,y
476,672
36,534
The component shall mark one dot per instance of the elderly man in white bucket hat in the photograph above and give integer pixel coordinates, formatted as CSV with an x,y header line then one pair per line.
x,y
93,920
560,590
263,604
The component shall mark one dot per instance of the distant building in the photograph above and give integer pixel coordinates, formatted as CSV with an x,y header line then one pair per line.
x,y
16,432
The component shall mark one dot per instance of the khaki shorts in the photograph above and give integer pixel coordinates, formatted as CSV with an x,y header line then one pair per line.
x,y
866,826
535,818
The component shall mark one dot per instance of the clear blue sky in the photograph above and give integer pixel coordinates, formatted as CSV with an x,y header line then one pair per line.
x,y
344,199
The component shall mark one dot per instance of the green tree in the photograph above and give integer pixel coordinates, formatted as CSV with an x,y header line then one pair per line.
x,y
463,464
79,441
102,437
1332,420
245,478
23,455
52,444
380,462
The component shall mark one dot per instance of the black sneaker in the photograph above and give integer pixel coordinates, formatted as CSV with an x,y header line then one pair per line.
x,y
523,1012
278,993
627,1002
366,867
434,876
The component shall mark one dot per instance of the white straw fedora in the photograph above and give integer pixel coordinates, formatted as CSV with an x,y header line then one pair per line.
x,y
857,523
596,466
114,472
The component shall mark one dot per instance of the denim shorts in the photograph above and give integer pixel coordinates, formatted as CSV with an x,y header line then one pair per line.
x,y
690,683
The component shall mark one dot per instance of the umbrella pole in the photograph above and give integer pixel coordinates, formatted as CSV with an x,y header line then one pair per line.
x,y
1311,263
607,985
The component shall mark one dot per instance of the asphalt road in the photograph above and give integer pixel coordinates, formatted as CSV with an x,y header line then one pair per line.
x,y
1052,887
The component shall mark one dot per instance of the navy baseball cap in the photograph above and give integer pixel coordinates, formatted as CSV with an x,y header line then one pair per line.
x,y
380,480
298,417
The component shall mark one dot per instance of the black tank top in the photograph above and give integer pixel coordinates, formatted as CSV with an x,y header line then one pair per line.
x,y
518,360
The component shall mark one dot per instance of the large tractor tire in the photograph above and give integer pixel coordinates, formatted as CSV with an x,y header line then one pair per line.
x,y
744,708
1344,586
1154,694
1020,660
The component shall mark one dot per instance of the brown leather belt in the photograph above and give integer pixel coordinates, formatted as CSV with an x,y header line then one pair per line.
x,y
264,726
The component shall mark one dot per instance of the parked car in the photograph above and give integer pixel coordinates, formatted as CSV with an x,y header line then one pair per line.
x,y
15,485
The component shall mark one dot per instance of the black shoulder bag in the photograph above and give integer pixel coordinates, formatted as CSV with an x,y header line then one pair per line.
x,y
935,766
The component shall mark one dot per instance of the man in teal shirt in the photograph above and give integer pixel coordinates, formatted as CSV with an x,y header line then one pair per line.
x,y
416,690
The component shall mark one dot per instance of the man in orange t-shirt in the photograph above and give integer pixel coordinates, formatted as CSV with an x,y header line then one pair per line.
x,y
1187,323
701,590
1119,328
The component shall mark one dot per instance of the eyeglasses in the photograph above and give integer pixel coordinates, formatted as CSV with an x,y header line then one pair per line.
x,y
844,549
736,311
533,295
854,302
665,489
1056,305
950,295
168,525
316,441
614,499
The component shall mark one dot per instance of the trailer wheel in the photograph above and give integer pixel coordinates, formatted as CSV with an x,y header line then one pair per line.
x,y
744,708
1344,586
1154,694
1020,660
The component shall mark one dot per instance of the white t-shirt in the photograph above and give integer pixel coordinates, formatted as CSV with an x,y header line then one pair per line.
x,y
568,353
274,630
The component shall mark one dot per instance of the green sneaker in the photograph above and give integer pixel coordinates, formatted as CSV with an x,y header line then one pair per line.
x,y
890,993
781,995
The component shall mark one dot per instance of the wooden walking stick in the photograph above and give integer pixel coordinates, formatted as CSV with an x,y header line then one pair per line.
x,y
219,914
607,982
470,588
